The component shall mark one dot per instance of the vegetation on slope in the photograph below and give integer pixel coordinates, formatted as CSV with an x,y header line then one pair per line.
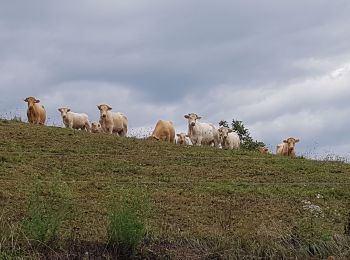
x,y
202,202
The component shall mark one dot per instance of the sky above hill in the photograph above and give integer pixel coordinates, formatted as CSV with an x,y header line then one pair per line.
x,y
282,67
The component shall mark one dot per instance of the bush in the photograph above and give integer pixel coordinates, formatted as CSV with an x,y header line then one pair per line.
x,y
247,142
49,207
126,227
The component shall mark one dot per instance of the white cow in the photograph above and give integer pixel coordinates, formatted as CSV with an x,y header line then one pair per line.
x,y
74,120
96,127
201,133
182,139
228,138
113,122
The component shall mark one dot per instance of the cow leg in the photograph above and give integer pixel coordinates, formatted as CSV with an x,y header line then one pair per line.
x,y
87,127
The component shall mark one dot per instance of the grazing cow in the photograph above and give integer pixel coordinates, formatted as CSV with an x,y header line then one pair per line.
x,y
181,139
228,138
96,127
74,120
164,131
263,150
36,113
201,133
287,148
113,122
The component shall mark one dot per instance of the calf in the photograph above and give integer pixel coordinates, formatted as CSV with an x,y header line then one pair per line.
x,y
74,120
228,138
263,150
96,128
181,139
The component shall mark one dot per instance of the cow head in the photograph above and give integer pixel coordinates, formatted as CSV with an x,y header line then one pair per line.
x,y
291,144
103,110
96,127
181,138
263,150
31,101
192,119
223,132
64,111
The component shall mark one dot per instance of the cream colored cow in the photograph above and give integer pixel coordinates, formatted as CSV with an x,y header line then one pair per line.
x,y
228,138
263,150
112,122
96,127
164,131
201,133
74,120
287,148
36,113
182,139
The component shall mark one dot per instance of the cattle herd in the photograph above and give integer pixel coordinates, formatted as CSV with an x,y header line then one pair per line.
x,y
115,122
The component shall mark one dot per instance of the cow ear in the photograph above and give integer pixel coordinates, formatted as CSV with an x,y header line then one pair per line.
x,y
186,116
178,135
230,130
60,110
199,117
68,110
37,101
26,100
297,140
285,141
109,108
99,107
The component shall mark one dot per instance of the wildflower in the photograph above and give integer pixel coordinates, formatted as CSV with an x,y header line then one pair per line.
x,y
319,196
315,210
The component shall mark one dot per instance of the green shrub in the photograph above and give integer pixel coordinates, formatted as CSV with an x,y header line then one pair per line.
x,y
49,207
126,227
247,142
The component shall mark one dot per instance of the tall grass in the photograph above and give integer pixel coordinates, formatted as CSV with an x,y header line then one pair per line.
x,y
126,227
49,207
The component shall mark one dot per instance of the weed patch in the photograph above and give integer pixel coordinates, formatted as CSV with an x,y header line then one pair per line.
x,y
126,228
49,207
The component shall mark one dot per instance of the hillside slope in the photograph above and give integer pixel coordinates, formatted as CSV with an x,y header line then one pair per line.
x,y
204,202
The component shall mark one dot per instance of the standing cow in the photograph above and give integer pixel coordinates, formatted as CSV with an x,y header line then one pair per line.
x,y
287,148
113,122
164,131
201,133
228,138
74,120
36,113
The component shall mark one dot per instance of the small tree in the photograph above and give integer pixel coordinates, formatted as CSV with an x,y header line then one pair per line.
x,y
247,142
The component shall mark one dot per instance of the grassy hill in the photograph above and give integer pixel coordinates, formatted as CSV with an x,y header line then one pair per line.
x,y
201,202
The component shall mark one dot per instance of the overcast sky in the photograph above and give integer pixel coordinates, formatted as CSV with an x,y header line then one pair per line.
x,y
282,67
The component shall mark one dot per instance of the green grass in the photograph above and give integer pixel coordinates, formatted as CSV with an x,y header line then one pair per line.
x,y
204,202
126,226
49,207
